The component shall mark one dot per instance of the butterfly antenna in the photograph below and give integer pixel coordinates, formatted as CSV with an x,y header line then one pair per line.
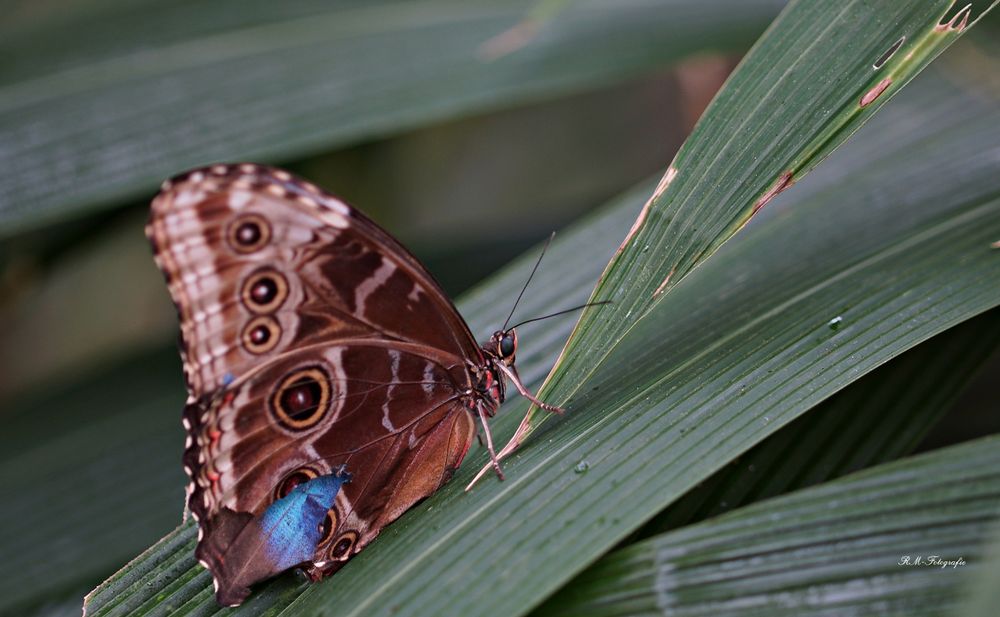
x,y
527,282
562,312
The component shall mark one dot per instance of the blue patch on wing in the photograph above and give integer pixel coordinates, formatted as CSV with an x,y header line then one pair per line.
x,y
291,525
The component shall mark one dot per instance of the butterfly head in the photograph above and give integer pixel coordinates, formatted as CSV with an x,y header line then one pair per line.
x,y
504,345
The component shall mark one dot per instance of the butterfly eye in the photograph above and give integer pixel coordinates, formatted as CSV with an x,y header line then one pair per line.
x,y
264,291
508,345
248,233
302,399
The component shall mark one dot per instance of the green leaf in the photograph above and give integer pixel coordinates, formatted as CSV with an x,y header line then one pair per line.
x,y
982,595
881,417
93,473
737,350
830,550
800,92
101,105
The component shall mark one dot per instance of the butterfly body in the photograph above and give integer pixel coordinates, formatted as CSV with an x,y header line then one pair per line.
x,y
315,348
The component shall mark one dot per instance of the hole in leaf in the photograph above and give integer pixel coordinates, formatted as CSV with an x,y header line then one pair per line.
x,y
958,22
889,53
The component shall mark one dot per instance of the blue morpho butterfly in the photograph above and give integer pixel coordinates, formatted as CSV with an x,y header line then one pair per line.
x,y
316,348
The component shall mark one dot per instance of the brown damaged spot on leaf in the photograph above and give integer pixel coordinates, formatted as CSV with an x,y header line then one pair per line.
x,y
875,92
635,226
780,184
958,22
665,181
663,285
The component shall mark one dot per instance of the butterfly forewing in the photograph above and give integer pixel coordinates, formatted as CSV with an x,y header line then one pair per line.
x,y
258,262
312,342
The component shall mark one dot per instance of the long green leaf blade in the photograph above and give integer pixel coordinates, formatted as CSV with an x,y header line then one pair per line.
x,y
830,550
92,474
881,417
803,89
982,595
136,94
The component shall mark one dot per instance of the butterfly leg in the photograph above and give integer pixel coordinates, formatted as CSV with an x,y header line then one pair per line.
x,y
489,442
511,373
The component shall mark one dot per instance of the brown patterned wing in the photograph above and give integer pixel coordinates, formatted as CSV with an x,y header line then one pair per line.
x,y
393,417
311,340
259,262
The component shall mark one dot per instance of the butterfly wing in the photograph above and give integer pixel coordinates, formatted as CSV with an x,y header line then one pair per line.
x,y
400,431
259,262
311,341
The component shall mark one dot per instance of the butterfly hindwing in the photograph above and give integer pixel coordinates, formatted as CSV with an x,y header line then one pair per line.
x,y
243,549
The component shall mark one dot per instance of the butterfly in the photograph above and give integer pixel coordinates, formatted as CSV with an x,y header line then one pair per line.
x,y
332,384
